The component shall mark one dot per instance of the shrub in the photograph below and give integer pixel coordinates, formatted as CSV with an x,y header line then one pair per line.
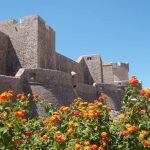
x,y
80,126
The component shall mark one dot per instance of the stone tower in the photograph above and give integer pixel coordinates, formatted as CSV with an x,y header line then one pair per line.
x,y
28,44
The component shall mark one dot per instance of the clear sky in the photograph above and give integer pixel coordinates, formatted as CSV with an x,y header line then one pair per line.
x,y
118,30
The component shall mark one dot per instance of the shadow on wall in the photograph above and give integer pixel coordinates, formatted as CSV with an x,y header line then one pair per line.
x,y
13,64
56,94
32,106
114,94
88,79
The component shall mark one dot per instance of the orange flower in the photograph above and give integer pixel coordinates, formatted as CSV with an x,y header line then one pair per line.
x,y
63,138
44,137
91,104
86,143
46,122
10,91
23,111
58,138
124,133
76,112
76,102
148,94
85,115
142,92
132,128
103,135
141,136
54,118
10,95
121,117
21,96
128,125
77,147
144,132
58,133
96,114
108,108
100,104
94,147
127,113
133,80
64,108
87,148
19,113
146,143
91,107
3,96
29,133
91,114
147,91
100,148
103,97
70,131
17,142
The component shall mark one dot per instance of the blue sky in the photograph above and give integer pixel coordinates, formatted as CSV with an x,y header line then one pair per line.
x,y
118,30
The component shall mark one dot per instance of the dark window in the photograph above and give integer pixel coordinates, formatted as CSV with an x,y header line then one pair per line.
x,y
74,86
89,58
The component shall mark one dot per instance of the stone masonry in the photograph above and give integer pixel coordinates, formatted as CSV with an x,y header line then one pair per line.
x,y
29,63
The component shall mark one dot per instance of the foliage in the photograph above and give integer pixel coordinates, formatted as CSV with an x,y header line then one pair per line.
x,y
80,126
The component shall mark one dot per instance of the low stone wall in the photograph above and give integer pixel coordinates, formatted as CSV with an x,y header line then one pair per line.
x,y
10,83
55,86
58,87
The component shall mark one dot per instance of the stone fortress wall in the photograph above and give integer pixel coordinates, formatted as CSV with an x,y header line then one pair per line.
x,y
30,63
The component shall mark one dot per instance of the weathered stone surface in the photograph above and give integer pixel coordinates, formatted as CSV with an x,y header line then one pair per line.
x,y
32,40
92,68
3,52
67,65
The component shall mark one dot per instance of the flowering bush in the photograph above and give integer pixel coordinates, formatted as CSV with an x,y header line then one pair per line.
x,y
133,128
81,126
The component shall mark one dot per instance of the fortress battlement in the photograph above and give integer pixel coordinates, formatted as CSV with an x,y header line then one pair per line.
x,y
29,59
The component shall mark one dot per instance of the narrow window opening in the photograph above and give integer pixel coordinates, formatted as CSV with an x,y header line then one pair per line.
x,y
89,58
74,86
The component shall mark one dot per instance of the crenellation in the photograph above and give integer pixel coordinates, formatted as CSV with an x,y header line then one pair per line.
x,y
121,65
8,23
115,73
